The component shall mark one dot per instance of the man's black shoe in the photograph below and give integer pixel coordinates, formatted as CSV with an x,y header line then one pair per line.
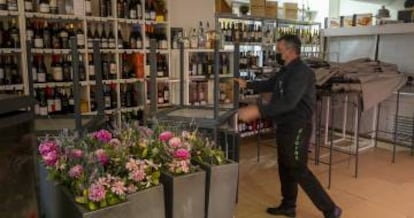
x,y
289,212
335,214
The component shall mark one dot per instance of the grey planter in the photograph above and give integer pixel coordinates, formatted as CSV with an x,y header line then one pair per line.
x,y
221,189
57,202
184,195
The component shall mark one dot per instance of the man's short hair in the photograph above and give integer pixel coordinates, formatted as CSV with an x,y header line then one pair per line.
x,y
292,41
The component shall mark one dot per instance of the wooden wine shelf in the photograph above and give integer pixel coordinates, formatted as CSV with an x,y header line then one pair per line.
x,y
62,17
57,84
130,21
100,19
10,50
11,87
8,13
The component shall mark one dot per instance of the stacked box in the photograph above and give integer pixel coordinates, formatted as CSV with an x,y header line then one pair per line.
x,y
271,9
290,10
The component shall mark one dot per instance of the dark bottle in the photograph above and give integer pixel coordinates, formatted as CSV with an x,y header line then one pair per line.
x,y
114,102
90,38
91,67
112,69
41,70
29,32
8,76
139,10
38,37
107,98
64,102
80,37
57,70
132,9
103,10
111,39
42,103
104,38
88,8
3,5
121,41
53,6
64,37
1,72
47,36
138,37
50,101
120,9
129,97
71,102
67,69
133,38
105,68
124,96
166,93
56,43
96,36
58,101
82,71
14,35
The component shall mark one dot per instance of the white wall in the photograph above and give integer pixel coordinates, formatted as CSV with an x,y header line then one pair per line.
x,y
350,7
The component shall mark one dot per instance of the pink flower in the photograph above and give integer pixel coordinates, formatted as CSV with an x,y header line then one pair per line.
x,y
76,171
185,166
175,142
76,153
131,165
137,175
182,154
103,135
131,188
115,143
146,132
102,156
103,181
165,136
118,187
51,158
96,193
47,146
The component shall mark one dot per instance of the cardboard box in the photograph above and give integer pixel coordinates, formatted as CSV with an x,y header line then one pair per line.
x,y
258,3
271,9
222,7
290,11
363,19
257,11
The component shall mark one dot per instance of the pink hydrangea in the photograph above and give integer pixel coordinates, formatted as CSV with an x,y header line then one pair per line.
x,y
185,166
76,153
175,142
76,171
118,188
96,193
165,136
102,156
182,154
131,188
137,175
103,135
51,158
47,146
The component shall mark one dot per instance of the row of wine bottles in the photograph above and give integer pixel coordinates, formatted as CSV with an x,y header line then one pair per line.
x,y
199,93
9,34
9,70
254,126
10,5
131,9
203,64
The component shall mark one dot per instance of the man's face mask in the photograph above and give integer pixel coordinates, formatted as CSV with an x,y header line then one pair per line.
x,y
279,59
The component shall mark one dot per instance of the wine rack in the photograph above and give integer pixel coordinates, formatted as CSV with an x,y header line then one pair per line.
x,y
123,29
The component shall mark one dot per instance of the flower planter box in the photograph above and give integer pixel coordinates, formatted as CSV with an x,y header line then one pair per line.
x,y
58,202
221,189
184,195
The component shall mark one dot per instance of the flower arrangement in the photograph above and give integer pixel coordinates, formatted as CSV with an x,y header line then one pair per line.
x,y
103,167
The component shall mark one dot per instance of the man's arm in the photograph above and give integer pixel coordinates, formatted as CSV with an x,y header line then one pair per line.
x,y
296,85
262,86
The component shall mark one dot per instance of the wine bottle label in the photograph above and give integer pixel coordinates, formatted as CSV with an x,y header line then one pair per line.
x,y
194,43
200,69
57,74
133,14
160,100
225,69
92,70
50,105
112,43
166,95
44,8
90,43
160,73
175,44
210,69
43,111
37,109
104,43
88,7
107,101
147,15
147,43
58,105
152,15
28,5
41,77
29,34
12,6
80,39
186,44
139,44
34,73
71,101
163,44
112,68
38,43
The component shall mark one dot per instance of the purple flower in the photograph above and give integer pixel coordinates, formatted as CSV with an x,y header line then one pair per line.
x,y
47,146
115,143
76,171
102,156
103,135
175,142
165,136
182,154
76,153
118,187
96,193
50,158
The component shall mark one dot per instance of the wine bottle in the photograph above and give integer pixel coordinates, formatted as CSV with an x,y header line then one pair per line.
x,y
82,71
67,69
56,43
90,38
43,103
120,38
193,39
96,37
139,10
160,70
53,7
112,69
88,8
105,68
28,5
57,70
138,37
71,102
200,65
44,6
152,11
47,36
103,10
201,36
107,98
147,11
120,9
166,92
80,37
50,100
125,67
91,67
64,102
29,32
111,39
132,9
163,42
57,101
3,5
123,96
129,97
64,37
14,34
113,97
41,70
160,96
104,38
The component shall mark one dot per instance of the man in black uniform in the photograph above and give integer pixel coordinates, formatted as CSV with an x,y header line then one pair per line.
x,y
291,108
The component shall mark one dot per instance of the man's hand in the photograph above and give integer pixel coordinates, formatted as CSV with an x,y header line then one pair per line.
x,y
242,83
249,113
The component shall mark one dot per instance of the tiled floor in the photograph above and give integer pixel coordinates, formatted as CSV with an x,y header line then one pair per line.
x,y
382,189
